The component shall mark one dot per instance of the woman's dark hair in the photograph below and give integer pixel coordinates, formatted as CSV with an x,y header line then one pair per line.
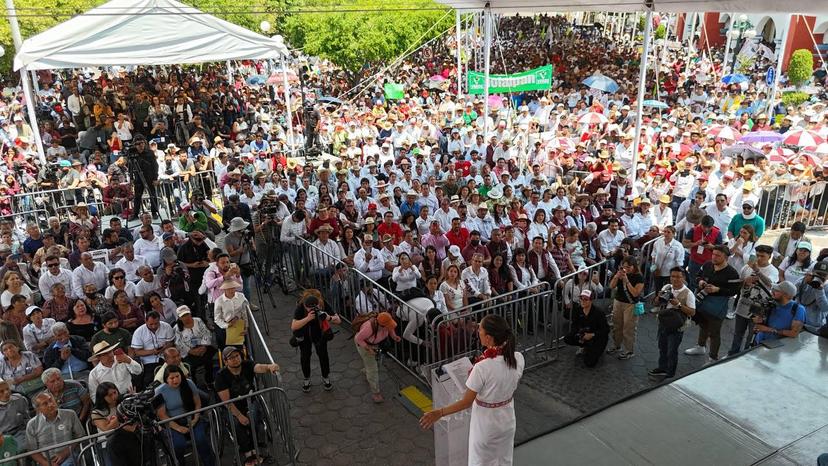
x,y
116,294
100,395
631,261
517,252
113,272
72,310
187,398
499,330
503,270
408,219
147,306
805,264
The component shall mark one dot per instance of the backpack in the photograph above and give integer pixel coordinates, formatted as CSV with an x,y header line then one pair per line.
x,y
360,319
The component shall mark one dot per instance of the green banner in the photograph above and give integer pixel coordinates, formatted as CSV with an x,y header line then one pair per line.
x,y
394,91
538,79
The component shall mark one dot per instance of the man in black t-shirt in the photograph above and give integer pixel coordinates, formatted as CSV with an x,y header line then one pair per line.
x,y
236,379
193,254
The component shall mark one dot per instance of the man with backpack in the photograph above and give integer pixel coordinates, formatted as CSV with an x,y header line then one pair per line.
x,y
677,304
370,330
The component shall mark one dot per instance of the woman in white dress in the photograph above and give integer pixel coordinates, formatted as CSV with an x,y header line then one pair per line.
x,y
489,390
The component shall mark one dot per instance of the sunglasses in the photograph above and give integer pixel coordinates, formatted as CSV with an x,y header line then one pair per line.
x,y
118,277
53,265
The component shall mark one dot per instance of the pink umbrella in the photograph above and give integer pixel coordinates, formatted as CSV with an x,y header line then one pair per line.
x,y
723,132
821,149
780,155
592,118
805,159
495,102
437,77
564,144
803,138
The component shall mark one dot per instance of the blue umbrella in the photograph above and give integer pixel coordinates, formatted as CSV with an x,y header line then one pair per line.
x,y
601,82
256,80
654,104
734,78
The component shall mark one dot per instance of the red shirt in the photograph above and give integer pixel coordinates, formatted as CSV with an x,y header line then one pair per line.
x,y
459,239
394,230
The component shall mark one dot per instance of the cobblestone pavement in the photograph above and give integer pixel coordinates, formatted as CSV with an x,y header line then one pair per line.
x,y
343,426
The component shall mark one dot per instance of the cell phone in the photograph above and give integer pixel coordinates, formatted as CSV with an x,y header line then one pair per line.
x,y
118,352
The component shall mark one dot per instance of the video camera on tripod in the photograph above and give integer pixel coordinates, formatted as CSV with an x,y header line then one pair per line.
x,y
139,408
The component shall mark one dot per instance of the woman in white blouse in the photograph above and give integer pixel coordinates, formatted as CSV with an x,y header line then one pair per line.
x,y
522,275
453,289
742,247
118,281
433,292
539,226
794,268
574,287
405,275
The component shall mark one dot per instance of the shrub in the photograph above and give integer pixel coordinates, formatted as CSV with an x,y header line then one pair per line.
x,y
801,67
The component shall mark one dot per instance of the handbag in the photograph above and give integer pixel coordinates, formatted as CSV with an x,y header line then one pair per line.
x,y
638,309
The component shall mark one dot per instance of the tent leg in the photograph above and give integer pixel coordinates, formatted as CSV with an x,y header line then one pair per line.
x,y
30,108
459,62
286,85
780,56
487,45
642,83
229,72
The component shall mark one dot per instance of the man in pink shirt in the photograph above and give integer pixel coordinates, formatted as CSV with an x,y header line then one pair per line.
x,y
371,333
436,238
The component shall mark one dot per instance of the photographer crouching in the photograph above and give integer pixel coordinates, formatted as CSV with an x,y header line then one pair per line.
x,y
590,330
812,294
677,304
784,320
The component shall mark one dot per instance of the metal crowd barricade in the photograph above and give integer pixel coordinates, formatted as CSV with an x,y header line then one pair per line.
x,y
783,203
425,345
174,192
21,218
89,450
646,262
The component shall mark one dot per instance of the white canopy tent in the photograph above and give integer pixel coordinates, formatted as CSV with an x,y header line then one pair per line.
x,y
649,7
140,32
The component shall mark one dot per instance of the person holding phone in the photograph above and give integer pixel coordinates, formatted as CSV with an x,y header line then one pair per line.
x,y
311,327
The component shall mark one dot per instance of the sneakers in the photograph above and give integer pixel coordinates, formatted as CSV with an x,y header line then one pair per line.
x,y
327,385
614,350
624,355
579,352
657,373
254,307
377,398
696,351
306,385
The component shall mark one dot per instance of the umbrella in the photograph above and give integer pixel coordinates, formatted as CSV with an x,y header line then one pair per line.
x,y
780,155
437,78
495,102
756,137
803,138
592,118
564,144
654,104
256,80
805,159
330,100
744,150
723,132
277,78
600,82
821,149
734,78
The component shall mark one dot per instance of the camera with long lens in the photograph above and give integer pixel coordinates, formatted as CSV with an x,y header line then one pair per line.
x,y
663,297
321,315
819,274
139,408
762,308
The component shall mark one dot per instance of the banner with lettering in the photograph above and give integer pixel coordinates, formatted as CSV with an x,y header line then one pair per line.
x,y
538,79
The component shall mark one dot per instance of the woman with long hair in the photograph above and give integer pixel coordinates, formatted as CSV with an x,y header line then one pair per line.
x,y
430,266
578,283
538,227
178,395
81,321
13,284
123,438
405,275
453,289
311,327
742,247
629,284
500,277
489,391
794,268
350,243
560,254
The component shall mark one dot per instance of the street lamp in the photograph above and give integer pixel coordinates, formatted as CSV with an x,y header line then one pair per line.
x,y
742,30
265,26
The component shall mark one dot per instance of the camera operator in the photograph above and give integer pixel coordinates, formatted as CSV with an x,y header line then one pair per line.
x,y
239,246
718,282
589,330
147,164
371,337
677,304
785,320
758,276
311,327
812,294
267,225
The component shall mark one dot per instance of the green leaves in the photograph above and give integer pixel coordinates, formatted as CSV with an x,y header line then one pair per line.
x,y
801,67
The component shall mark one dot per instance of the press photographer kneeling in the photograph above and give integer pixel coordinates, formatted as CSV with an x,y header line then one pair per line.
x,y
677,304
784,320
590,330
812,294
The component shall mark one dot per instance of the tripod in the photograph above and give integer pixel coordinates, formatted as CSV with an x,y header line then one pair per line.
x,y
133,169
259,273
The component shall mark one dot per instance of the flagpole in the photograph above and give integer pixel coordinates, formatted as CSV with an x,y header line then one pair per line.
x,y
459,62
642,83
487,45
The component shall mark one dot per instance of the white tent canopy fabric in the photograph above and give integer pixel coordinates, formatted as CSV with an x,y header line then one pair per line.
x,y
143,32
664,6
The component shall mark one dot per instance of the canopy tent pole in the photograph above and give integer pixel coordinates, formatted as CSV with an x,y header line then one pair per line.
x,y
642,83
229,72
487,46
286,84
728,40
24,80
780,55
458,45
813,40
692,34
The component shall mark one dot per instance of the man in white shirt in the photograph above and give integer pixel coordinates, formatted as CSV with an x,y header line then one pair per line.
x,y
149,341
149,246
130,263
89,272
148,282
368,259
325,253
445,213
54,274
610,239
720,212
117,369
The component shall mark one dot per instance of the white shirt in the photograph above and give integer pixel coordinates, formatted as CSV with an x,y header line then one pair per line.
x,y
130,267
48,279
373,267
374,301
609,242
445,217
476,283
666,256
129,288
144,339
150,250
143,287
405,278
82,276
120,374
663,216
226,309
33,335
324,254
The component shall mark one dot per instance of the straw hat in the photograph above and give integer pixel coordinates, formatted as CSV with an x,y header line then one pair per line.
x,y
103,347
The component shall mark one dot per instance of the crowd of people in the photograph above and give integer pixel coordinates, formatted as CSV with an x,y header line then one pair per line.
x,y
119,289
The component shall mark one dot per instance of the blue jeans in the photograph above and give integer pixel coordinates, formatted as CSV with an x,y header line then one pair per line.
x,y
668,345
181,442
742,326
693,270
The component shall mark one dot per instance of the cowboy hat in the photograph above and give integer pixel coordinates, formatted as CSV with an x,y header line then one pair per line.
x,y
496,193
230,285
323,227
103,347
